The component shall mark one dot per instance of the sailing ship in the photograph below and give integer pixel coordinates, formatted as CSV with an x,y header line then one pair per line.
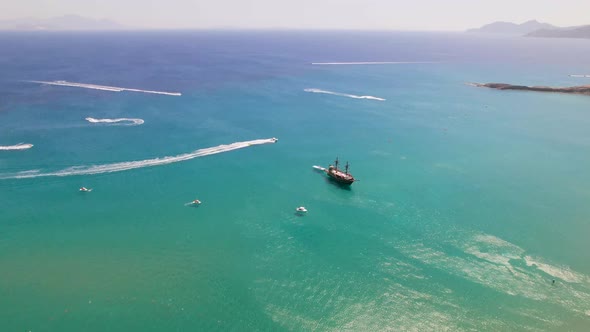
x,y
338,175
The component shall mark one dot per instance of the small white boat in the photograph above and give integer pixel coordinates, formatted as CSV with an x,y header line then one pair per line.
x,y
301,209
274,139
85,190
194,203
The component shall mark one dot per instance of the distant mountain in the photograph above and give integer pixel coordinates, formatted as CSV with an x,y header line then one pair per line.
x,y
508,28
66,22
575,32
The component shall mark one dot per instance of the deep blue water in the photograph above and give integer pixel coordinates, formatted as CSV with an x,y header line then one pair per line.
x,y
469,201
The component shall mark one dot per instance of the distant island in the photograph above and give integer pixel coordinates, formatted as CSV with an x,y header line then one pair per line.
x,y
576,32
61,23
533,28
582,89
508,28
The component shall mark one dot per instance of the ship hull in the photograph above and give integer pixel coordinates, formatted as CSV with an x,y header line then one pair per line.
x,y
340,180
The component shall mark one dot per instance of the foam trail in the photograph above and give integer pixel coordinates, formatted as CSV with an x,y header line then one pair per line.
x,y
118,121
580,76
19,146
562,273
29,172
124,166
104,87
372,63
343,94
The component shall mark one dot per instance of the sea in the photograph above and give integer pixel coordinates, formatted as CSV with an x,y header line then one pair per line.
x,y
470,211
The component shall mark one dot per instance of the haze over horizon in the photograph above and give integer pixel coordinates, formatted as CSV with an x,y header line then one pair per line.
x,y
308,14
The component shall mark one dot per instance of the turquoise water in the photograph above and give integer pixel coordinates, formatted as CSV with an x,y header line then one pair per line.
x,y
470,201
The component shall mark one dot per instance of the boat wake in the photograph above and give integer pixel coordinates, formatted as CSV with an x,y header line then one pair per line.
x,y
580,76
117,122
104,87
343,94
372,63
319,168
19,146
124,166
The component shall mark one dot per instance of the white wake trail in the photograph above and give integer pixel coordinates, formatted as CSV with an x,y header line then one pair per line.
x,y
104,87
117,122
19,146
124,166
343,94
580,76
372,63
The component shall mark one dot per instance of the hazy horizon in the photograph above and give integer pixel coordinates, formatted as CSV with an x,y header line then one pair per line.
x,y
430,15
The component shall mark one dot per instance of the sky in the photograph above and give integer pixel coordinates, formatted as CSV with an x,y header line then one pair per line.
x,y
307,14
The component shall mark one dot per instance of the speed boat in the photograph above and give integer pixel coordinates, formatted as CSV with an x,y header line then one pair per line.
x,y
196,202
301,209
84,189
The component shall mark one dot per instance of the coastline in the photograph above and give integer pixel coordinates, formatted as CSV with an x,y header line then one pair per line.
x,y
581,89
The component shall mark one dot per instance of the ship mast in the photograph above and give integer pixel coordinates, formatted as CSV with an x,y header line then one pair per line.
x,y
346,168
336,163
